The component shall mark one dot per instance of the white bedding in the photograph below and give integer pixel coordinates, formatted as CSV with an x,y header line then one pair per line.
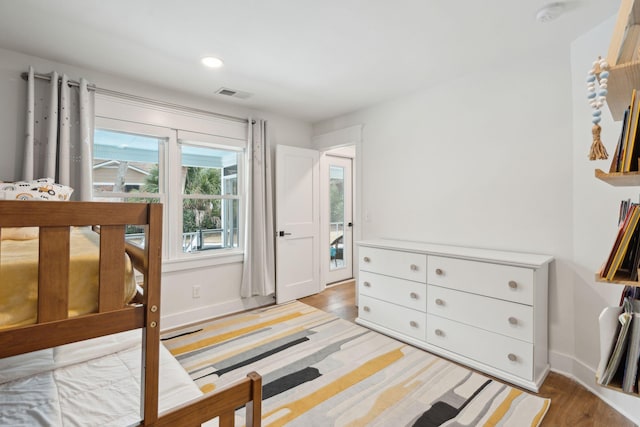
x,y
91,383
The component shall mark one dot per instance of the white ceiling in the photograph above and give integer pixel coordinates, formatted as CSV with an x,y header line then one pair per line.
x,y
309,59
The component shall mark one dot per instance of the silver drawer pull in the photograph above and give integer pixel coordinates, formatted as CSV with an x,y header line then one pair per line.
x,y
513,284
366,284
513,321
439,301
413,324
439,272
512,357
414,267
366,259
366,308
413,295
439,332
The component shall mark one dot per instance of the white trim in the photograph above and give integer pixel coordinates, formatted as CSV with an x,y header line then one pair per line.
x,y
153,114
185,318
200,260
208,140
351,135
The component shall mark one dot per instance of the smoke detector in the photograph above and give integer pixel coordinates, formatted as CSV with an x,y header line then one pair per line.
x,y
233,93
550,12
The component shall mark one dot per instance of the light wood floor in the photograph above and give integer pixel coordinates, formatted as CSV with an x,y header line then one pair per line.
x,y
572,405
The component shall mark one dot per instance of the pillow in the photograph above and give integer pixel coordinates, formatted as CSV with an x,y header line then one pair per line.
x,y
40,189
44,189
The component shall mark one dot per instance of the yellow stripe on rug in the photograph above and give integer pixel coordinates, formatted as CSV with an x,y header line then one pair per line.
x,y
300,406
232,334
501,410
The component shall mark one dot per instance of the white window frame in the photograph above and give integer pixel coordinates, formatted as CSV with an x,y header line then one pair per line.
x,y
167,138
174,125
175,187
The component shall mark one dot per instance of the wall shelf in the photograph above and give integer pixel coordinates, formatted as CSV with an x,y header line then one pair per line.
x,y
618,280
618,387
619,179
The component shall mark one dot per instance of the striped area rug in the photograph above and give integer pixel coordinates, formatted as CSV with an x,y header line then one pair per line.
x,y
320,370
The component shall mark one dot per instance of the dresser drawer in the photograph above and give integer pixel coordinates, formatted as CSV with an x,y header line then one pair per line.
x,y
504,353
398,291
495,280
404,320
495,315
405,265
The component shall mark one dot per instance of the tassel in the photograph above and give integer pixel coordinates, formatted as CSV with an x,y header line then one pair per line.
x,y
598,151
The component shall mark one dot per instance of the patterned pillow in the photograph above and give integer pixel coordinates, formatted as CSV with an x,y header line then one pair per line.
x,y
40,189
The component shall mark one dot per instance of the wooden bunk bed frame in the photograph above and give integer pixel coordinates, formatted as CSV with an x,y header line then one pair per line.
x,y
54,328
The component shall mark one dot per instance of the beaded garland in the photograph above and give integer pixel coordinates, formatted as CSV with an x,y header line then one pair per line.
x,y
597,76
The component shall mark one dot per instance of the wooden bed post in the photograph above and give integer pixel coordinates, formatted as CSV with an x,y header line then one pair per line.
x,y
151,331
254,407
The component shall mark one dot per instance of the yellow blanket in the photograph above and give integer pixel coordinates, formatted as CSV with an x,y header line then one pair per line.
x,y
19,278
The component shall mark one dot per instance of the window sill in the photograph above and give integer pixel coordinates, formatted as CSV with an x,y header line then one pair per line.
x,y
201,261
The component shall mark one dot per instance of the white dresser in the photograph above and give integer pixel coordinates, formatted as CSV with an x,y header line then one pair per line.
x,y
483,308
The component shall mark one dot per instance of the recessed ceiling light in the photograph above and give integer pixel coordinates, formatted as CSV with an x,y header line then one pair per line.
x,y
212,62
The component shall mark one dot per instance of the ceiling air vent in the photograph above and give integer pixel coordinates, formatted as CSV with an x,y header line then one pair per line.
x,y
233,93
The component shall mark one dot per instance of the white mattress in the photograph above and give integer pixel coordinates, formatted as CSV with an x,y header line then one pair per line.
x,y
91,383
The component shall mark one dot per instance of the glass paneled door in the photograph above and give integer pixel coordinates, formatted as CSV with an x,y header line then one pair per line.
x,y
340,219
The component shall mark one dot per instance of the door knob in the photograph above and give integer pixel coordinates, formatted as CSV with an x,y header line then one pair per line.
x,y
282,233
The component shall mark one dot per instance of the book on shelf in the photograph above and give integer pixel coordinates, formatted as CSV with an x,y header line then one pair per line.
x,y
627,131
634,154
635,259
617,358
629,266
631,150
609,329
626,230
620,346
630,229
624,209
630,377
617,155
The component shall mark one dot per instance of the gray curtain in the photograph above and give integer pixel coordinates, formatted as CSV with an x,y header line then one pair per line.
x,y
59,133
258,273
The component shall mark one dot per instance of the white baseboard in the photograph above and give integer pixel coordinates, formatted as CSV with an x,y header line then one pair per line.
x,y
585,375
185,318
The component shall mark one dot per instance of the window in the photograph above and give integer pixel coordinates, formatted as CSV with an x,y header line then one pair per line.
x,y
210,199
198,178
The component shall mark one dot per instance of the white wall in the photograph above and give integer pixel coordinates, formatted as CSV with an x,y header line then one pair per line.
x,y
484,160
220,284
595,217
498,159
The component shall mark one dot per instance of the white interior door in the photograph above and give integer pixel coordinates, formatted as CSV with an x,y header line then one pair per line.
x,y
297,223
339,213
